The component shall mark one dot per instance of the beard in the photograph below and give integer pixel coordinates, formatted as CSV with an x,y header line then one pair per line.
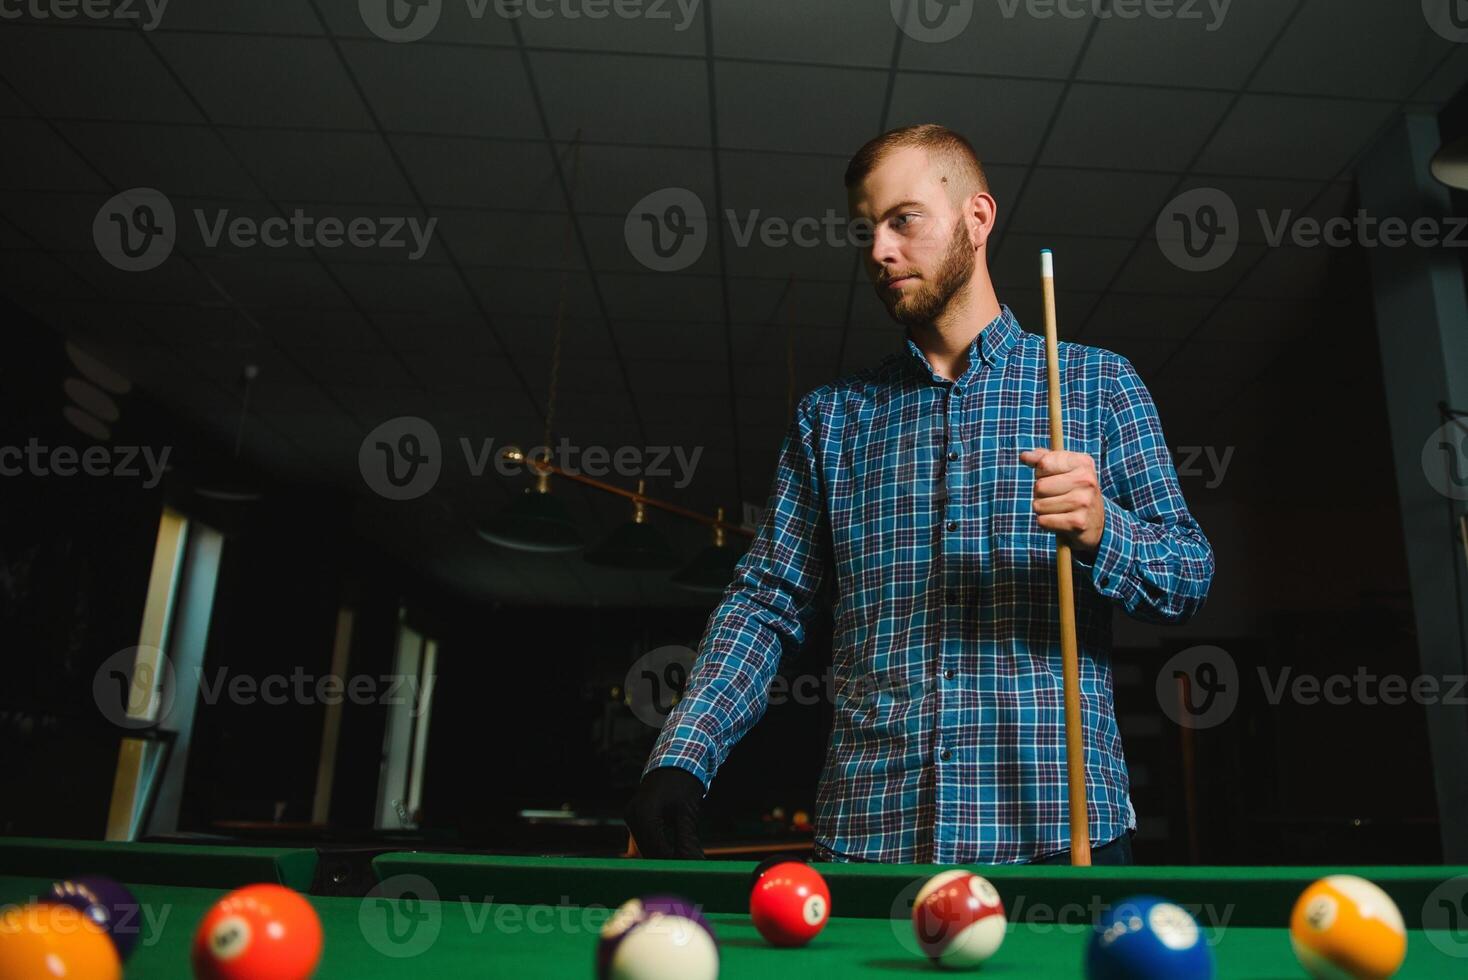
x,y
927,302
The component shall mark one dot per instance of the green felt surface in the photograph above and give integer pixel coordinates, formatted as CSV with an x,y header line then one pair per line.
x,y
491,916
455,938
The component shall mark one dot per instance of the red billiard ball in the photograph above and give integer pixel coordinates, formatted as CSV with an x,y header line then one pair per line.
x,y
958,919
259,932
789,903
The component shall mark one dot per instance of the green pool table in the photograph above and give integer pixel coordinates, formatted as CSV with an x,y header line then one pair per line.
x,y
457,915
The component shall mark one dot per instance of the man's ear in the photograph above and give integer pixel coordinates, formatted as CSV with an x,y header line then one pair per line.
x,y
982,213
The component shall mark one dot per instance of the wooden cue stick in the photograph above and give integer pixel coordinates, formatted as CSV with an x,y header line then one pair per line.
x,y
1075,745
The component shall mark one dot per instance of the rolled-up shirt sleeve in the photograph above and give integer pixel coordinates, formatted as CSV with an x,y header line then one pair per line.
x,y
1152,559
763,611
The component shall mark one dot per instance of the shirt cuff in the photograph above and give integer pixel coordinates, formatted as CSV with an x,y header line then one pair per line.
x,y
1110,566
688,750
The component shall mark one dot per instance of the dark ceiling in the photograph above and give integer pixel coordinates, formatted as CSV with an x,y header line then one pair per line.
x,y
1088,126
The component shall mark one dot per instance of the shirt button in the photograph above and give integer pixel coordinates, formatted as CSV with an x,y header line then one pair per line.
x,y
952,456
947,755
950,673
953,525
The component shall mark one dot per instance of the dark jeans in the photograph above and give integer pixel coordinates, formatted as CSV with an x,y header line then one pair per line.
x,y
1118,851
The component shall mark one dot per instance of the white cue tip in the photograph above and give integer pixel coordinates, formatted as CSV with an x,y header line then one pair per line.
x,y
1047,264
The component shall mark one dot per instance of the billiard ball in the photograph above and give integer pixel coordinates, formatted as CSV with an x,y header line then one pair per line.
x,y
1345,926
107,903
1148,938
958,919
789,903
46,940
258,932
657,937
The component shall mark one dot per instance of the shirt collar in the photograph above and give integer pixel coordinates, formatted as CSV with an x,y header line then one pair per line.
x,y
988,348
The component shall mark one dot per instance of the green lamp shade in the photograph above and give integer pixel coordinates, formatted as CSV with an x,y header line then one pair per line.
x,y
534,522
634,545
710,572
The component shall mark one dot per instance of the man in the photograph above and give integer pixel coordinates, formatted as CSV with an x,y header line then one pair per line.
x,y
923,487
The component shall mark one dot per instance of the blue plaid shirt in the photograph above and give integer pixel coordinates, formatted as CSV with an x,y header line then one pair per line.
x,y
948,744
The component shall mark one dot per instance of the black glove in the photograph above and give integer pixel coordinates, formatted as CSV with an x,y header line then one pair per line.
x,y
663,814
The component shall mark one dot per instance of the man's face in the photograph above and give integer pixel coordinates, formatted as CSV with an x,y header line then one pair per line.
x,y
920,255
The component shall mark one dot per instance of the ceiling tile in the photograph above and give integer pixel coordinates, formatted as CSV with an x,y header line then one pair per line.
x,y
456,171
243,17
1447,77
437,329
663,28
610,180
1150,271
496,238
435,26
1288,136
786,300
305,165
661,296
1259,321
180,161
37,158
404,287
532,292
1394,39
1088,202
1085,264
788,107
321,329
996,38
74,71
1130,127
833,32
406,85
266,81
266,282
606,97
701,346
1119,316
1202,49
689,242
1004,118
